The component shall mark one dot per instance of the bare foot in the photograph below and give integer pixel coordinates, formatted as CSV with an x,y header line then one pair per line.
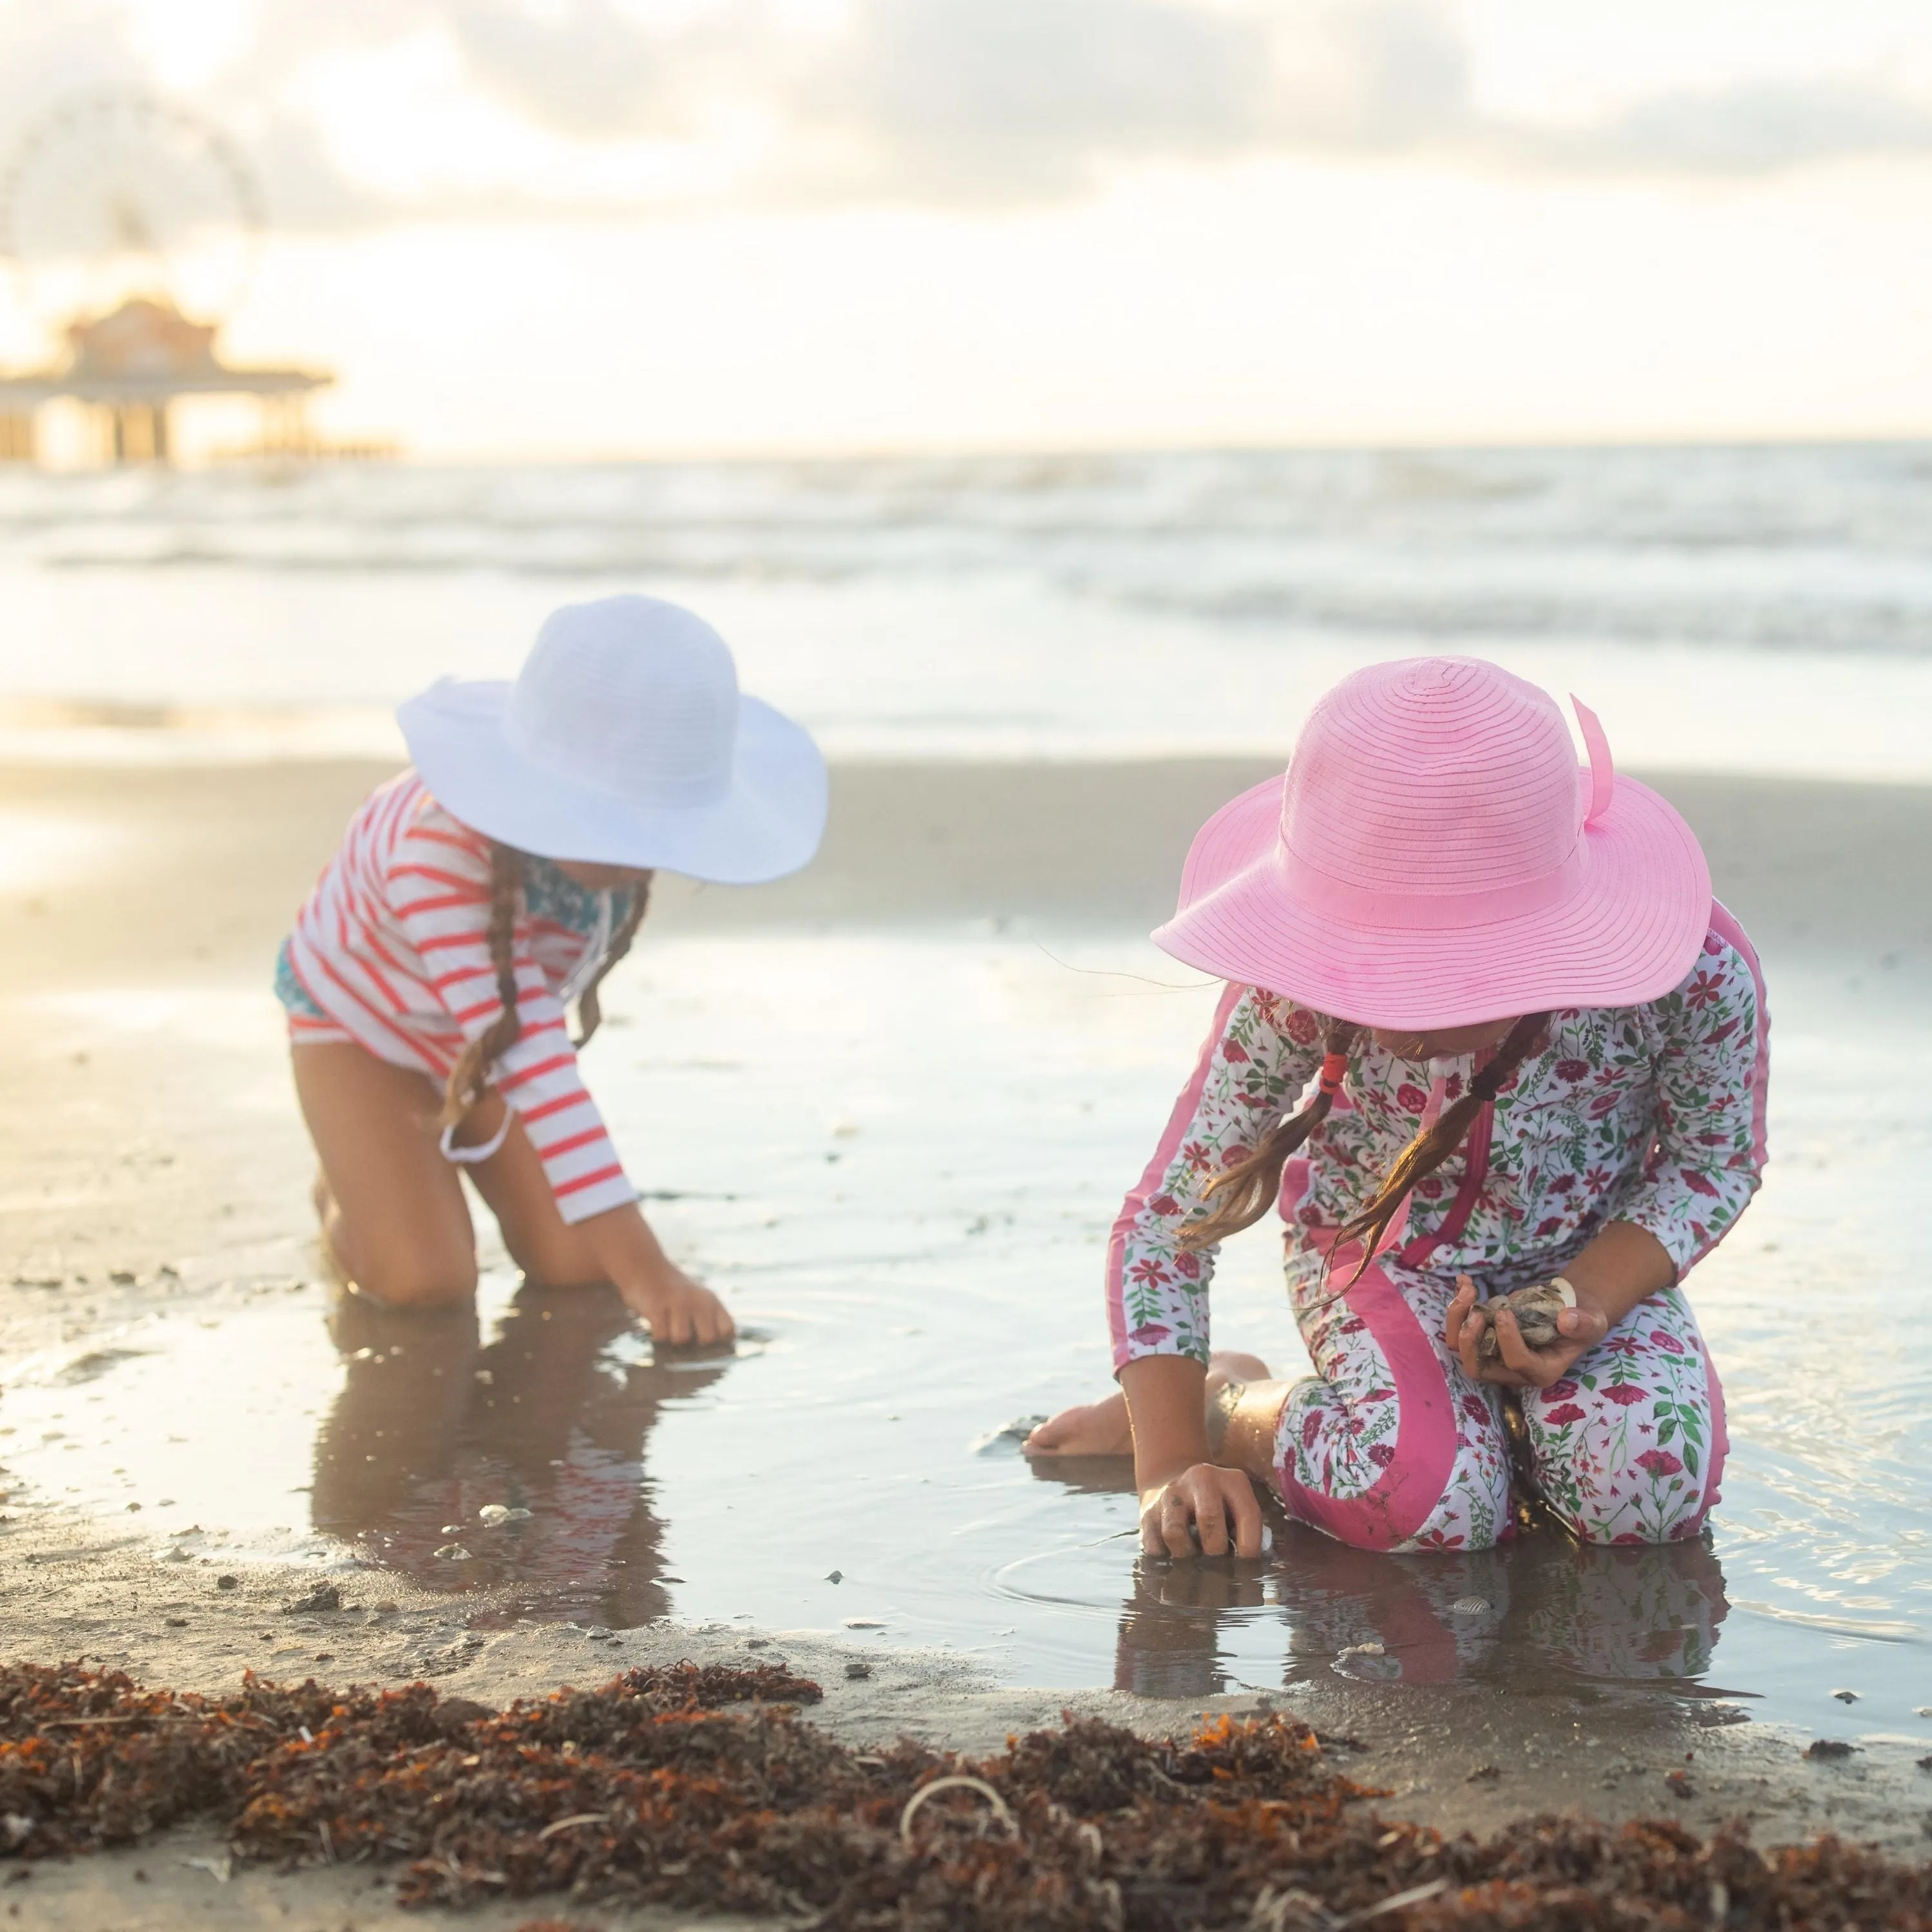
x,y
1092,1429
1102,1428
1226,1365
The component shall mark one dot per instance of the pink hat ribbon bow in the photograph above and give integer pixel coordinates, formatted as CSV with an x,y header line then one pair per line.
x,y
1602,772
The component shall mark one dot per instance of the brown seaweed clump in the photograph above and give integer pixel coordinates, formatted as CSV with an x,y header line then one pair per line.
x,y
703,1788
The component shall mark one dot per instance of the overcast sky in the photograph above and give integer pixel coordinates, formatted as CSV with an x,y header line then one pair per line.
x,y
637,225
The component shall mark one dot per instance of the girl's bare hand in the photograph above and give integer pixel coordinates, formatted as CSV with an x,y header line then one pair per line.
x,y
1522,1367
1202,1502
680,1311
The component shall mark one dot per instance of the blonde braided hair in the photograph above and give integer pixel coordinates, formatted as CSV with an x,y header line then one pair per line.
x,y
1242,1195
469,1078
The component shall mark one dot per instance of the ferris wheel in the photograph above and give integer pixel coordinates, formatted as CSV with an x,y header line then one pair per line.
x,y
118,194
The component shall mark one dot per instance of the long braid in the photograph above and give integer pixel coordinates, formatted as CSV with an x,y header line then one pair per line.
x,y
1247,1190
469,1078
589,1008
1428,1150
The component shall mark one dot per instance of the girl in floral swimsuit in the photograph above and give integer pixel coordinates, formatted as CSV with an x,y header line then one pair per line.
x,y
476,898
1485,1028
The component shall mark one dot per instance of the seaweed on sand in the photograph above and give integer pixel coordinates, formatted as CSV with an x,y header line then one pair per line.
x,y
701,1788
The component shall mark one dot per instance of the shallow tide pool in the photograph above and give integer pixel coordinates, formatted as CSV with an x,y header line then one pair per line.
x,y
898,1155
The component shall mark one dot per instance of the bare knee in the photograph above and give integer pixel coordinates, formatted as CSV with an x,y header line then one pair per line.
x,y
414,1273
403,1288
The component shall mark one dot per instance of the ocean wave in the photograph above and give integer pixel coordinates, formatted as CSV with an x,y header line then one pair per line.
x,y
1821,624
1825,548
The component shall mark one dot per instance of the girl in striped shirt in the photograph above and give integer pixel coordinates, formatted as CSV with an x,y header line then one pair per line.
x,y
429,978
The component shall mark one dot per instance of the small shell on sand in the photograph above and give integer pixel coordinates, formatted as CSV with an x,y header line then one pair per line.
x,y
1535,1309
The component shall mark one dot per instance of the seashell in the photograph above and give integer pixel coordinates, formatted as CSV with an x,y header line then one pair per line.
x,y
1535,1309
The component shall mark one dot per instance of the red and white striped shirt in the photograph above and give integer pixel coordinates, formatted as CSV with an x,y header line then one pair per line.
x,y
394,946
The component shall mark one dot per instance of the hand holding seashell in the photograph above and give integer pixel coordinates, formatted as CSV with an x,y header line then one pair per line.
x,y
1549,1328
1535,1309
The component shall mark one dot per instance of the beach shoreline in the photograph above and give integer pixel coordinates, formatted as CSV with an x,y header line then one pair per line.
x,y
142,910
147,1126
95,880
1460,1760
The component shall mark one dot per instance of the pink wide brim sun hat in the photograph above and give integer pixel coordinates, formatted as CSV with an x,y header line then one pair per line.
x,y
1435,856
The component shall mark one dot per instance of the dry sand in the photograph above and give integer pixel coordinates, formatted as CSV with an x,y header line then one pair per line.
x,y
140,1126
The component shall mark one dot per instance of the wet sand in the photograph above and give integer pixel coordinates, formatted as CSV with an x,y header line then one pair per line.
x,y
142,1126
1462,1763
146,1122
192,872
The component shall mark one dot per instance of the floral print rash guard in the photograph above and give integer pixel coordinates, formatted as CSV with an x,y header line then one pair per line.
x,y
1653,1115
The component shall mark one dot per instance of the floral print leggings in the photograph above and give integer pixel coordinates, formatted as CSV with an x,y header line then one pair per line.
x,y
1389,1445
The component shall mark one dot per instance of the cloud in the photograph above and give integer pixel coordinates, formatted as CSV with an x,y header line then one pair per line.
x,y
1003,98
988,100
948,102
50,54
1379,77
304,186
590,68
967,101
1760,128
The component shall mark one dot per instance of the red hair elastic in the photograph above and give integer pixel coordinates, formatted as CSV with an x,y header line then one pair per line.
x,y
1333,1066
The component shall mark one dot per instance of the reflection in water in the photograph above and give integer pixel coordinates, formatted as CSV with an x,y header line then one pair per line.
x,y
433,1426
1169,1644
1542,1606
1633,1612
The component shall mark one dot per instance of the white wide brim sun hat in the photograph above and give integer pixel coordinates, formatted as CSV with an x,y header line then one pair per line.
x,y
625,741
